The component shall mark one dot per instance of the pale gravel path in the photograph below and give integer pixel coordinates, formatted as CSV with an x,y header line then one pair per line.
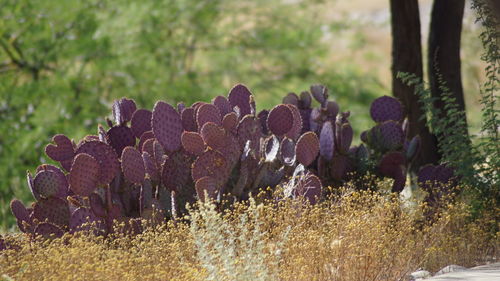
x,y
489,272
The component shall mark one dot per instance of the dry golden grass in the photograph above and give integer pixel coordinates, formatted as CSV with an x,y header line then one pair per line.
x,y
353,236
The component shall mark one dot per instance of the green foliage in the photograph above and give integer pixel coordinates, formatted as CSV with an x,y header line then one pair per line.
x,y
62,64
469,158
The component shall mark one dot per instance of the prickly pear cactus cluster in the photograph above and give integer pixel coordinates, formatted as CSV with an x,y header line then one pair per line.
x,y
148,164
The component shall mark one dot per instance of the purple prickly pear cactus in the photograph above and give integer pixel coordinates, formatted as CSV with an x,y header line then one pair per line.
x,y
123,109
120,137
326,139
230,122
167,126
392,165
97,205
84,175
141,122
188,119
83,219
391,135
291,98
288,151
206,186
48,230
386,108
133,165
208,113
210,163
214,136
344,138
151,167
320,93
192,142
222,104
307,148
263,114
296,129
48,183
240,97
54,210
109,166
308,186
305,100
63,151
280,120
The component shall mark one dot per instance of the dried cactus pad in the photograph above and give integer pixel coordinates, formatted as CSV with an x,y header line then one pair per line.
x,y
133,165
141,122
53,209
326,141
109,166
280,120
167,126
208,113
62,150
386,108
240,96
307,148
309,187
48,183
84,175
123,109
120,137
48,230
192,142
206,185
287,151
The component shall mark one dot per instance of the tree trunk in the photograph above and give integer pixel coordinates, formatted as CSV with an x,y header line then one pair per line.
x,y
407,57
444,50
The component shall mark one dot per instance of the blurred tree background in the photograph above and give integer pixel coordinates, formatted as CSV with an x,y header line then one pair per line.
x,y
62,63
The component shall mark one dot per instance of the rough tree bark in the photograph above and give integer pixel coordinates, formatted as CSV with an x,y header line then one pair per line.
x,y
444,50
407,57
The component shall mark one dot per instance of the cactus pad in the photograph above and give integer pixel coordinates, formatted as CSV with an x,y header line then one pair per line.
x,y
230,122
106,156
208,113
280,120
167,126
188,119
287,151
309,186
120,137
83,219
192,142
240,96
149,146
150,166
63,151
326,141
141,122
307,148
249,130
320,93
210,163
271,148
48,230
53,209
296,129
213,135
305,100
345,137
63,187
391,134
123,109
222,104
206,185
386,108
133,165
84,175
97,205
413,148
144,137
48,183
